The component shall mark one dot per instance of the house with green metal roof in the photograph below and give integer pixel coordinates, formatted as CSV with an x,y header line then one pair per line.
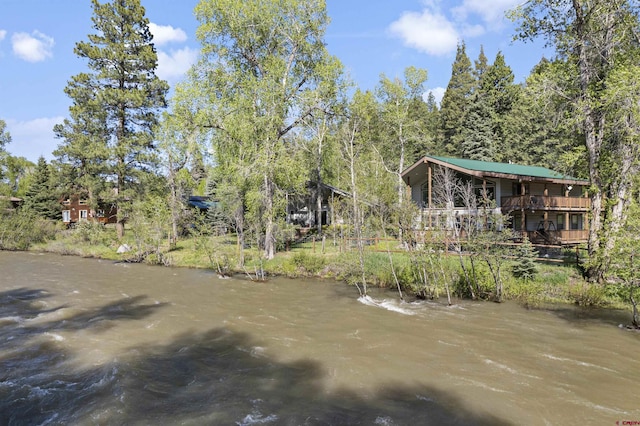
x,y
550,207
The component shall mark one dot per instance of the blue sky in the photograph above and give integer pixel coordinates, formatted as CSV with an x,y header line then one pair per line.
x,y
370,37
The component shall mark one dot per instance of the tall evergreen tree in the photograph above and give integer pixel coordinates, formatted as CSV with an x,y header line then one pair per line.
x,y
115,105
455,101
84,151
481,65
427,113
497,86
477,132
41,198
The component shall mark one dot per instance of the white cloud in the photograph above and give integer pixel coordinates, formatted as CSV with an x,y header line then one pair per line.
x,y
3,33
491,14
33,138
176,63
437,31
163,34
429,32
34,47
472,31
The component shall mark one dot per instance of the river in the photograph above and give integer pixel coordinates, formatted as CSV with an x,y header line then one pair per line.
x,y
85,341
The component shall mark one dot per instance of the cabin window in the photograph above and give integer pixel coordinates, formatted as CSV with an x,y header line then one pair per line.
x,y
83,214
425,194
560,222
66,215
479,188
516,188
576,221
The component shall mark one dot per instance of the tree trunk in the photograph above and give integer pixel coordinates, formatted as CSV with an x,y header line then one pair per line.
x,y
269,239
319,205
634,304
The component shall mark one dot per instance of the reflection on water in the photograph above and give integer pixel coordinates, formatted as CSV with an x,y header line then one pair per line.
x,y
93,342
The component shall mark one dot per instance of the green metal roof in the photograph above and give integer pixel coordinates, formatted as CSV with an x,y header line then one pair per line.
x,y
505,168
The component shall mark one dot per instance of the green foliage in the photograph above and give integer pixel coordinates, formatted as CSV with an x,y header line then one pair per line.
x,y
150,223
94,233
40,199
5,136
115,105
310,264
477,137
524,266
266,70
21,231
588,295
455,102
482,282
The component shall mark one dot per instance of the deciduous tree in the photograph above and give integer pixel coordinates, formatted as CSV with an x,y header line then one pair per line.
x,y
595,39
264,63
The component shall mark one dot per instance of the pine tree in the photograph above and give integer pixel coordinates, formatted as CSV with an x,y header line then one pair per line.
x,y
496,84
477,133
115,105
40,198
456,101
525,266
481,65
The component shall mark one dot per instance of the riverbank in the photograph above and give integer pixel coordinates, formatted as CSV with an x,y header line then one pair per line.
x,y
384,267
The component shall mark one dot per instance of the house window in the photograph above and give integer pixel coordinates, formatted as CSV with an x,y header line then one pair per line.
x,y
100,213
83,214
425,194
516,188
66,215
82,202
479,189
560,222
576,221
66,202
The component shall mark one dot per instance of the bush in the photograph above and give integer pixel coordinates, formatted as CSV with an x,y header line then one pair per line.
x,y
589,295
530,293
93,233
19,231
481,280
308,263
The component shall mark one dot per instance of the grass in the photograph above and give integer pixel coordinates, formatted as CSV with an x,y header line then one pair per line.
x,y
554,283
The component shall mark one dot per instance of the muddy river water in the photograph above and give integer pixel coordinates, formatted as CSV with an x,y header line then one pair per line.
x,y
85,341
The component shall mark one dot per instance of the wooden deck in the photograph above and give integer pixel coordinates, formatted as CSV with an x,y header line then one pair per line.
x,y
545,203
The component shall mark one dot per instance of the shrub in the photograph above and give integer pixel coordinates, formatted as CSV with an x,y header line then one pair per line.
x,y
590,295
308,263
93,233
21,231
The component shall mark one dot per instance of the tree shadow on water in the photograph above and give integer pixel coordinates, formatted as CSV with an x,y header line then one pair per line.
x,y
214,377
581,316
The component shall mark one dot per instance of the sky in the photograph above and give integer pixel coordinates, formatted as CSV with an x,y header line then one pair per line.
x,y
370,37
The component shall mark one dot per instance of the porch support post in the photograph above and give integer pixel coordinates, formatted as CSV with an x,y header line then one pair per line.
x,y
523,226
429,188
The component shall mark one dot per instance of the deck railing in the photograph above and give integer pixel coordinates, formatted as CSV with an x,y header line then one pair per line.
x,y
542,202
563,236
